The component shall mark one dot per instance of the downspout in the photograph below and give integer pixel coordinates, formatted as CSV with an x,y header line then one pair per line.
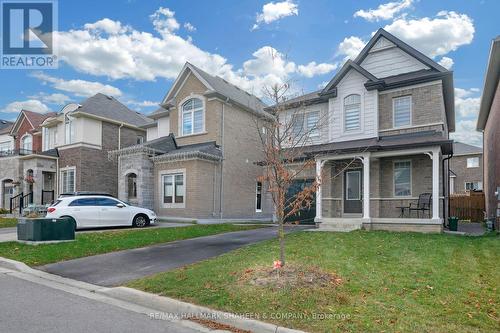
x,y
446,194
221,189
118,164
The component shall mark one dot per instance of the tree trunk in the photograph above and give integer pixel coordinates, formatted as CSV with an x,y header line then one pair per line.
x,y
281,238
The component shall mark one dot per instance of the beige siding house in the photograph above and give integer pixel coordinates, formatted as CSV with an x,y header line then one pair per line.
x,y
199,160
384,145
466,168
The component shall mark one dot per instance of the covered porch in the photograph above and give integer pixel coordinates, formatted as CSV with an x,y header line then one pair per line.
x,y
374,190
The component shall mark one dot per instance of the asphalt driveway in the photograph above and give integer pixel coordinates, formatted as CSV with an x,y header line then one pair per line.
x,y
116,268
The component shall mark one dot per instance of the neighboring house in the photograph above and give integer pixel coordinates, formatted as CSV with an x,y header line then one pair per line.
x,y
199,161
488,123
6,140
81,135
389,114
16,167
466,168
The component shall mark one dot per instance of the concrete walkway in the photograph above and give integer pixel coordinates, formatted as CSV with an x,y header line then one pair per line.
x,y
117,268
472,229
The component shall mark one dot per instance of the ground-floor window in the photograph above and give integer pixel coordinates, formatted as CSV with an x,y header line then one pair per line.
x,y
174,189
258,199
68,180
402,178
473,186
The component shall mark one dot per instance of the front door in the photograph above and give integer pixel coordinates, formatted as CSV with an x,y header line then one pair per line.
x,y
352,192
8,191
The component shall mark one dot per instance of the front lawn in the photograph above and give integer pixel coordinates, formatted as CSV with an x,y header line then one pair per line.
x,y
6,222
92,243
390,282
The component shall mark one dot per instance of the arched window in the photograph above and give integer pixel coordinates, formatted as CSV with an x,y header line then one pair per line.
x,y
193,119
352,112
132,185
27,144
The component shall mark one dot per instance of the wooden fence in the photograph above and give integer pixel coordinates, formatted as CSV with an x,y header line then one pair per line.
x,y
468,206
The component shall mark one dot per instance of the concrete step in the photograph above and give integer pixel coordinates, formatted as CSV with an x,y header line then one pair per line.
x,y
341,224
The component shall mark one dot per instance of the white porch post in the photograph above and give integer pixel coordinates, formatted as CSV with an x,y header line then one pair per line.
x,y
319,166
435,183
366,186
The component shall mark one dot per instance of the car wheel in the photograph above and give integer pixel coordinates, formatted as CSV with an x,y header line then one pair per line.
x,y
140,221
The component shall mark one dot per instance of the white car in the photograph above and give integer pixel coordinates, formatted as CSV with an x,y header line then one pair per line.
x,y
91,211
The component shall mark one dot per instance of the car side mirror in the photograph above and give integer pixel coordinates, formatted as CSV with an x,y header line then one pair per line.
x,y
120,205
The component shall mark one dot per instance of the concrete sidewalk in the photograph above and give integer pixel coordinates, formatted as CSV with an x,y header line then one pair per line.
x,y
116,268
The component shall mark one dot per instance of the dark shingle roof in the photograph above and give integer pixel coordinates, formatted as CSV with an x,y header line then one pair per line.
x,y
460,148
108,107
5,126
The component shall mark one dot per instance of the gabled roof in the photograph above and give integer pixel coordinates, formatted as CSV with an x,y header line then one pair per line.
x,y
108,107
216,87
460,148
5,126
34,119
349,64
490,84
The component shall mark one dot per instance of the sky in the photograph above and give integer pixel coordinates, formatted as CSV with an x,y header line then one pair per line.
x,y
134,50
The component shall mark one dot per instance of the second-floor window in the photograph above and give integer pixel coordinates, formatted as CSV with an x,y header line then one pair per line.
x,y
5,146
305,125
473,162
352,112
192,117
401,111
69,130
27,143
49,138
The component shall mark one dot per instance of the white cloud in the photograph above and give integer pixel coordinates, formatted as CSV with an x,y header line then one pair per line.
x,y
313,69
54,98
385,11
435,36
189,27
466,132
274,11
80,88
446,62
30,105
164,21
467,105
133,54
107,26
350,47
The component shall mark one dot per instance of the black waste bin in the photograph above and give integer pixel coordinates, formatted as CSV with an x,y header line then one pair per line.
x,y
453,223
42,229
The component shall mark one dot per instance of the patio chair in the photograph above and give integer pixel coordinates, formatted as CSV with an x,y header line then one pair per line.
x,y
423,205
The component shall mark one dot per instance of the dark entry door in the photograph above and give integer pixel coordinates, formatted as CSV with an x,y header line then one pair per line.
x,y
353,191
304,216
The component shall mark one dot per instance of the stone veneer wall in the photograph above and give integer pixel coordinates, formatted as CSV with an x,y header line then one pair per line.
x,y
143,167
11,169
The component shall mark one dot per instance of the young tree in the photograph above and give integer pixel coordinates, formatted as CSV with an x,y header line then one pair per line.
x,y
283,138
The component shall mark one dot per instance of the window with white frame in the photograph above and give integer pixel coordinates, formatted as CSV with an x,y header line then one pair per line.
x,y
27,143
174,189
473,186
69,130
402,178
68,180
5,146
193,119
49,137
352,112
258,197
401,111
306,125
473,162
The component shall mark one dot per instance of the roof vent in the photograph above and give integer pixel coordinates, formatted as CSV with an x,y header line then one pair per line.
x,y
4,122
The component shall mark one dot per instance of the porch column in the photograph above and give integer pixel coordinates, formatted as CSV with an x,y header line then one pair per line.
x,y
435,183
366,186
319,167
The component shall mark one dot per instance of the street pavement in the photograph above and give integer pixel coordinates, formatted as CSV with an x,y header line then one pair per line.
x,y
30,307
117,268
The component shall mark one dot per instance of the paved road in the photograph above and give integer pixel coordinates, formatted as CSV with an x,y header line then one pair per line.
x,y
29,307
116,268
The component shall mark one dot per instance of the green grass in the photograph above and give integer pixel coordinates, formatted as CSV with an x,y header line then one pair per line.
x,y
88,244
6,222
392,282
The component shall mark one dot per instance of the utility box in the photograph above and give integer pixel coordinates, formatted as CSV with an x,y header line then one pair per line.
x,y
42,229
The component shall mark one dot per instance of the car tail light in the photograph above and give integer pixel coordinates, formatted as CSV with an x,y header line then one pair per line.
x,y
51,209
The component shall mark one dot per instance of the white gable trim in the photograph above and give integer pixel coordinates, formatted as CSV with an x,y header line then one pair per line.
x,y
175,88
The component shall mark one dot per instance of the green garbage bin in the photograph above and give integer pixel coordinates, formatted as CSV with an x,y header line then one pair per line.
x,y
453,223
42,229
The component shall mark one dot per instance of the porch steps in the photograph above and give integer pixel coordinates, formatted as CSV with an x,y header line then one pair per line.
x,y
340,224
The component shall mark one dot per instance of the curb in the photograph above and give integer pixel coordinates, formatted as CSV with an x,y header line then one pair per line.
x,y
148,303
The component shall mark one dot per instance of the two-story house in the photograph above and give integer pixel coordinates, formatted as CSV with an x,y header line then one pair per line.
x,y
388,114
199,159
466,168
24,139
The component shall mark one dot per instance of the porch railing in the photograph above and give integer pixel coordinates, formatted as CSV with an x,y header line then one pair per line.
x,y
16,152
20,202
